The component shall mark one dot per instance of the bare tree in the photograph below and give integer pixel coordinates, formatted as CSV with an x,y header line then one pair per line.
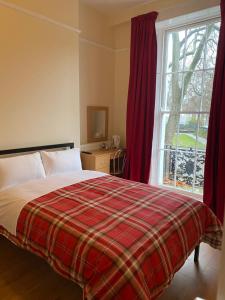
x,y
191,46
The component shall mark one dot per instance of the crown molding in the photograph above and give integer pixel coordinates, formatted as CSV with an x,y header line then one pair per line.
x,y
99,45
39,16
122,50
95,44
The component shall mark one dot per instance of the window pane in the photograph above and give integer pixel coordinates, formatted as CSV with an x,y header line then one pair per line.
x,y
187,131
169,168
190,57
192,93
172,92
199,175
185,163
169,131
195,47
175,51
211,45
207,90
203,131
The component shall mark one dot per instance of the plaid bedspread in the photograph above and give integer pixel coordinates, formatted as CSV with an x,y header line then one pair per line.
x,y
117,239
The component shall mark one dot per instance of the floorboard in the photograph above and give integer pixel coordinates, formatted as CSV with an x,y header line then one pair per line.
x,y
196,281
24,276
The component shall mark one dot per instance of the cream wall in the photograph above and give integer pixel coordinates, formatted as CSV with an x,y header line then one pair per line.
x,y
167,9
39,73
65,11
96,65
43,61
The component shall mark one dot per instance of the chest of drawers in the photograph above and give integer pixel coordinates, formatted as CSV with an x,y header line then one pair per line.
x,y
97,160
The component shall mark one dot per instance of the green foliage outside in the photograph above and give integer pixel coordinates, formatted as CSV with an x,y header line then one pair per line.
x,y
186,141
202,133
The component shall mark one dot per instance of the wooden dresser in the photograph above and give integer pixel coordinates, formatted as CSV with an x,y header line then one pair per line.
x,y
97,160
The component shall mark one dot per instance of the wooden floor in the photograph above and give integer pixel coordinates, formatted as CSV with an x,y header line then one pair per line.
x,y
24,276
196,281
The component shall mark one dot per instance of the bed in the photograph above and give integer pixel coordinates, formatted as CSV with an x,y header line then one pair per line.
x,y
117,239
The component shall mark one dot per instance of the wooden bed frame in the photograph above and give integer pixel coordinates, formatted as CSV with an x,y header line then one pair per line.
x,y
70,146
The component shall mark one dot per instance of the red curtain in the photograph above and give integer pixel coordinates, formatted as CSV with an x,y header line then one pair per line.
x,y
141,97
214,186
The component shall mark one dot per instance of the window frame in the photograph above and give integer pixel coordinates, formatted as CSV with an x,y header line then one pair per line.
x,y
162,28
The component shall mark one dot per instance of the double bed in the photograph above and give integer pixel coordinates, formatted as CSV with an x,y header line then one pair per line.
x,y
117,239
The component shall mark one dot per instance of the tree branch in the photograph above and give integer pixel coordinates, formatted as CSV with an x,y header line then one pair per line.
x,y
189,35
196,59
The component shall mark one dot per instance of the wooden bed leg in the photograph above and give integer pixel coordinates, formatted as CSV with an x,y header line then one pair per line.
x,y
196,256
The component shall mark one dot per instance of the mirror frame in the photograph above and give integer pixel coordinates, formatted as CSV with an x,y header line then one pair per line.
x,y
90,110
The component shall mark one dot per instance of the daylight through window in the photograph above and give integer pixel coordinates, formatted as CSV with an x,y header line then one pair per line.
x,y
190,56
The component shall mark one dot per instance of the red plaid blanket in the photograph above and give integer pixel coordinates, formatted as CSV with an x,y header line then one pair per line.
x,y
117,239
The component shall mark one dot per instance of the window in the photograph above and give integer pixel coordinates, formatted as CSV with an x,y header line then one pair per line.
x,y
189,58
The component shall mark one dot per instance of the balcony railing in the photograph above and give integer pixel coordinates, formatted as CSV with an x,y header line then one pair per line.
x,y
184,168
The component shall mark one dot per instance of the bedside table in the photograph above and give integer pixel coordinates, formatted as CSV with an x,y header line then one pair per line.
x,y
97,160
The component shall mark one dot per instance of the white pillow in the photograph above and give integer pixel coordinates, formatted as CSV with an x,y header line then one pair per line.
x,y
19,169
61,161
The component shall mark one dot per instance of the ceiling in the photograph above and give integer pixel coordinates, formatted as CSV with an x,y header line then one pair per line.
x,y
111,6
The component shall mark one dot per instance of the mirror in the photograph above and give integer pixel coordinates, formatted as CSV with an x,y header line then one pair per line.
x,y
97,123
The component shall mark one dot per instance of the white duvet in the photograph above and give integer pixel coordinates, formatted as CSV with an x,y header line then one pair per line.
x,y
13,199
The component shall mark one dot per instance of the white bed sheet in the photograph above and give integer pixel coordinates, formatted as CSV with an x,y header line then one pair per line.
x,y
12,200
